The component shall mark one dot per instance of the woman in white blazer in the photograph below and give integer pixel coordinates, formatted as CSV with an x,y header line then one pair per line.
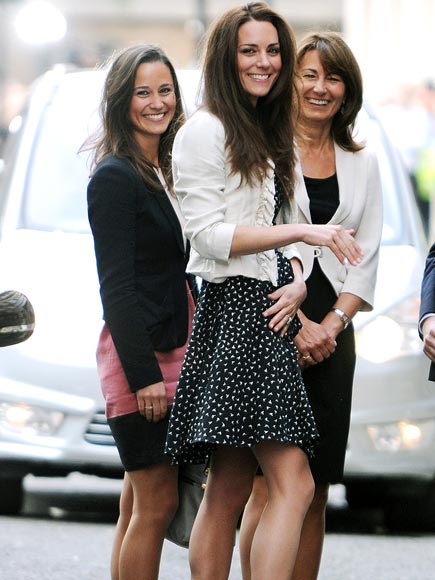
x,y
337,183
240,398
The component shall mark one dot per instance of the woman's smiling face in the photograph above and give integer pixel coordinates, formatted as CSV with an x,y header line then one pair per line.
x,y
258,58
322,92
153,102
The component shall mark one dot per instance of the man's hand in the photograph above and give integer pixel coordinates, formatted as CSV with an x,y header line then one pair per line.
x,y
428,328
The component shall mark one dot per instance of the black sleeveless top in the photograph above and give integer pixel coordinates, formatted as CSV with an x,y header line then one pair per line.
x,y
324,197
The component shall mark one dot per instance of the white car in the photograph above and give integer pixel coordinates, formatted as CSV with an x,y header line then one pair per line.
x,y
51,409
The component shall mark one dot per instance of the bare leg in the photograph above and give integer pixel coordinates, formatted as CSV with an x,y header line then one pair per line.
x,y
290,491
155,501
251,516
313,533
125,510
228,487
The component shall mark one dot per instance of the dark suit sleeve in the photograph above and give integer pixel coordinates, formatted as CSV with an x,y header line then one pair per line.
x,y
428,285
112,210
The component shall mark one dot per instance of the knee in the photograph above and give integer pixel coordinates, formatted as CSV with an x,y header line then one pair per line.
x,y
306,489
168,507
156,509
126,502
320,498
259,496
229,495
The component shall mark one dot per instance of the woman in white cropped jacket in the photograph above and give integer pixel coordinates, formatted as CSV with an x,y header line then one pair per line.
x,y
240,399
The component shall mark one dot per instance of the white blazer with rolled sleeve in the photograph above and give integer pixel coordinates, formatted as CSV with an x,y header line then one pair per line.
x,y
213,202
360,208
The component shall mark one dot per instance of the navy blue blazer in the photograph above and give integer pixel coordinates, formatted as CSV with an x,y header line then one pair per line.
x,y
141,261
428,294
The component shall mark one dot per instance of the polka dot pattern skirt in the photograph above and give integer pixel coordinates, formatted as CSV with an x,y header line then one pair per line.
x,y
240,382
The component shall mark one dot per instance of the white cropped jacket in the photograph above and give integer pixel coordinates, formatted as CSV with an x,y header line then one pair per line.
x,y
214,202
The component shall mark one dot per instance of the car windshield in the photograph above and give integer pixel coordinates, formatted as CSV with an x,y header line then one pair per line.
x,y
57,179
371,132
55,197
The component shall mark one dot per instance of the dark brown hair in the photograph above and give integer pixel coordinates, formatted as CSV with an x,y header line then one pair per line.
x,y
336,57
254,135
117,137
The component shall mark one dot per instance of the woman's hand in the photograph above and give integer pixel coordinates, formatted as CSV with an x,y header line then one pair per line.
x,y
314,342
287,298
151,401
339,240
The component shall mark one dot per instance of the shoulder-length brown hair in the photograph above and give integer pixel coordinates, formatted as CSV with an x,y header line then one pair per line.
x,y
336,57
254,136
116,136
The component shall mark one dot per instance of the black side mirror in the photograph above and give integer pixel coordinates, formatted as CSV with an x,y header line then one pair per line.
x,y
17,318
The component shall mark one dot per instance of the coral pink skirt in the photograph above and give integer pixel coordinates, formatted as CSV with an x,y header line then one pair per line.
x,y
140,443
117,394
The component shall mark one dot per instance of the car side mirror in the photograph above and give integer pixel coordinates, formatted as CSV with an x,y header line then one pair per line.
x,y
17,318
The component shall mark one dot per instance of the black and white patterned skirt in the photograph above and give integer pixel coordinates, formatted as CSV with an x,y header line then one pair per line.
x,y
240,383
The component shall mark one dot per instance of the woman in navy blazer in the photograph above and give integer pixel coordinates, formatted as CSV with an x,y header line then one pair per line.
x,y
338,183
427,310
147,302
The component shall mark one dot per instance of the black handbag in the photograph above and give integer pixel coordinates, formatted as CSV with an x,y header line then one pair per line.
x,y
192,480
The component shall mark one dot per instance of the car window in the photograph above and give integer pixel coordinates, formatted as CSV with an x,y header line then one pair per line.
x,y
393,227
393,180
55,195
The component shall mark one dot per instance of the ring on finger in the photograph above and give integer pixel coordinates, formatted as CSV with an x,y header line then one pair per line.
x,y
149,408
306,357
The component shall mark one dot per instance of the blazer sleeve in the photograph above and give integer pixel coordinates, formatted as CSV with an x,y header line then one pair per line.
x,y
112,203
199,164
427,305
361,280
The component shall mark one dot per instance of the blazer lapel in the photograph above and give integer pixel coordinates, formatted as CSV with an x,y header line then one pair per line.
x,y
347,176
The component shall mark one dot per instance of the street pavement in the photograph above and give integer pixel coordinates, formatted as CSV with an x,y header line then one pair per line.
x,y
67,527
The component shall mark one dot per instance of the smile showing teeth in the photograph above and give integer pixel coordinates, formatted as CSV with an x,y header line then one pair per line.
x,y
155,117
259,77
317,102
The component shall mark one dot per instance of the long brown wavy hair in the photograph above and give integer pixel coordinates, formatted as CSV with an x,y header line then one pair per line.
x,y
336,57
116,136
254,135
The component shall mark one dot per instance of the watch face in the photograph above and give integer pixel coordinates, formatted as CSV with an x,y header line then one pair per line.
x,y
342,316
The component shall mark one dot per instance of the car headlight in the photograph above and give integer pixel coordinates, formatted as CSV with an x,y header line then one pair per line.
x,y
402,435
391,335
29,420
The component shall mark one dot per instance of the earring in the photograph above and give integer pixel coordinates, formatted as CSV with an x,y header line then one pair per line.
x,y
342,108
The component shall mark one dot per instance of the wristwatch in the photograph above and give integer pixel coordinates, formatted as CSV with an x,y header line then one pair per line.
x,y
342,316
